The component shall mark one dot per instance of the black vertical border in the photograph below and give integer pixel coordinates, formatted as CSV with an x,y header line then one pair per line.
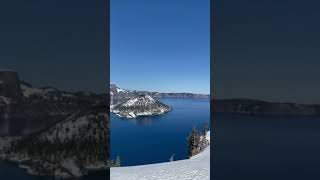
x,y
107,49
212,95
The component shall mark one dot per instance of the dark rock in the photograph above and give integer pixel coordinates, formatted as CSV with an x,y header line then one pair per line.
x,y
10,84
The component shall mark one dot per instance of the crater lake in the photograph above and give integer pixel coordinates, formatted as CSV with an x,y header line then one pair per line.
x,y
154,139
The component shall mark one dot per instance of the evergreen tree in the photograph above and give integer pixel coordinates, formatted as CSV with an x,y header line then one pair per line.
x,y
193,142
205,129
171,158
118,162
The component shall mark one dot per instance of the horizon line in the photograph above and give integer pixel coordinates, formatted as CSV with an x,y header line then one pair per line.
x,y
162,91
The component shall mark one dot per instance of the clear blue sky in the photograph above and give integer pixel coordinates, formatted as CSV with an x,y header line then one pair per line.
x,y
160,45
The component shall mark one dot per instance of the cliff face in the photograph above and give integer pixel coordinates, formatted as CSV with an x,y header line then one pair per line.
x,y
69,148
51,127
10,85
39,108
10,94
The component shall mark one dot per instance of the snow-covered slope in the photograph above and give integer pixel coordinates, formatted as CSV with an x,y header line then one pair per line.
x,y
45,92
196,168
142,105
139,101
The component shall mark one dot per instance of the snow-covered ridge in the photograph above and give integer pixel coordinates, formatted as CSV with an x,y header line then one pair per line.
x,y
120,90
29,91
115,89
195,168
45,92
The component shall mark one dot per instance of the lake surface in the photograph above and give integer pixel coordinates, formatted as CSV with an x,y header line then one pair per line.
x,y
266,147
155,139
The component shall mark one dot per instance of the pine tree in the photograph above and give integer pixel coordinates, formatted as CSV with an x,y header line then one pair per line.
x,y
193,142
205,129
118,162
171,158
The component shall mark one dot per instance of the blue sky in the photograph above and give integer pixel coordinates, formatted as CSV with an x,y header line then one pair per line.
x,y
160,45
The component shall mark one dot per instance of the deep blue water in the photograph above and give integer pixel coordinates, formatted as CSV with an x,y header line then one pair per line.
x,y
266,147
154,139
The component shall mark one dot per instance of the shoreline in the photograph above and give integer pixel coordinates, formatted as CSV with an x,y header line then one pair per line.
x,y
139,115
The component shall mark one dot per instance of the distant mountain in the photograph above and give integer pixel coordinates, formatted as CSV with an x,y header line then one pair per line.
x,y
118,95
142,105
258,107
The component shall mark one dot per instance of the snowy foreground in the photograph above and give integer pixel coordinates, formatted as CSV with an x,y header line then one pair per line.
x,y
196,168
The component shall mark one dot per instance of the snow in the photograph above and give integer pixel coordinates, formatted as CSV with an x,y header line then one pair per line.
x,y
70,165
130,102
150,98
138,101
5,100
195,168
146,106
42,92
27,91
208,136
120,90
132,115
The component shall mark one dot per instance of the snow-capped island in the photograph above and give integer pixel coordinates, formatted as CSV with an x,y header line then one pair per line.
x,y
141,105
